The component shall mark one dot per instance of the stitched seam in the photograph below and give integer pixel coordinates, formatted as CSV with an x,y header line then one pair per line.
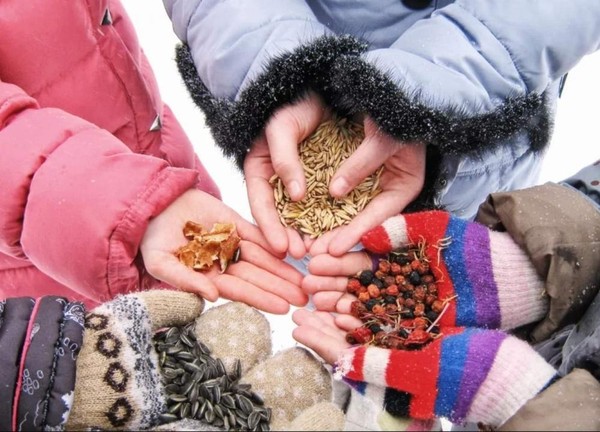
x,y
57,344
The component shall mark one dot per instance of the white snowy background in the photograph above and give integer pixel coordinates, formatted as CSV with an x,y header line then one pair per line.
x,y
575,140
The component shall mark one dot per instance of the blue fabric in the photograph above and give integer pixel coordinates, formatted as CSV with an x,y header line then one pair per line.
x,y
466,313
452,363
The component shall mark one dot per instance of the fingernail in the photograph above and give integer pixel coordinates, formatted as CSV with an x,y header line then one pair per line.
x,y
294,189
339,187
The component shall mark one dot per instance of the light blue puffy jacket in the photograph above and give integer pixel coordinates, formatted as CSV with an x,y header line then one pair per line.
x,y
477,80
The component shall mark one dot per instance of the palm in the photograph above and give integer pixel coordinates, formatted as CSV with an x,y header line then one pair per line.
x,y
259,278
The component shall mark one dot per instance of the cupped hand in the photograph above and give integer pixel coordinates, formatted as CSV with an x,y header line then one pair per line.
x,y
320,332
401,182
276,152
260,278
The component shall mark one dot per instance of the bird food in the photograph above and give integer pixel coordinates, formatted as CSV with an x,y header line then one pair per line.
x,y
321,155
221,244
398,303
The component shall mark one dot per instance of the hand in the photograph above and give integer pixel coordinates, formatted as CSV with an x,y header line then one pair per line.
x,y
118,380
465,375
485,276
276,152
401,182
260,278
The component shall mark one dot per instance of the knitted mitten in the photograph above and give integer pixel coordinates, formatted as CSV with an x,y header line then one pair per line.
x,y
293,383
118,383
490,281
466,375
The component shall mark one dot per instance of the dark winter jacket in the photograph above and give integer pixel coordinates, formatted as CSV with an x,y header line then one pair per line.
x,y
476,80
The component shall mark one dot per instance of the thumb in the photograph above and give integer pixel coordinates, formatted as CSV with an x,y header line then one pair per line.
x,y
391,234
171,308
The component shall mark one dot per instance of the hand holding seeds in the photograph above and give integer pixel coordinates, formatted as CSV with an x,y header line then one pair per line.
x,y
400,181
276,152
260,278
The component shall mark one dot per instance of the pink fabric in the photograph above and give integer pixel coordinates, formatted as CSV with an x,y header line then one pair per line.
x,y
81,172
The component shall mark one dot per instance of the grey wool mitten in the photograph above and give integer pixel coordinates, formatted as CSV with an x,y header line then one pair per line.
x,y
293,385
118,383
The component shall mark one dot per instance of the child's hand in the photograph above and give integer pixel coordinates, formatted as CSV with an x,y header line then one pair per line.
x,y
260,278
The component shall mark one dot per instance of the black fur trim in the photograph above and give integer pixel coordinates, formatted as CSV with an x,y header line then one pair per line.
x,y
332,67
287,78
360,87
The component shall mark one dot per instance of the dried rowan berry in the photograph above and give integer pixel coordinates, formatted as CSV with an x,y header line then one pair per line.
x,y
427,278
379,274
359,335
353,286
431,315
419,309
392,290
414,278
389,299
400,279
366,277
373,291
418,337
419,293
389,280
429,299
370,303
395,269
437,306
420,323
406,269
384,266
364,297
378,310
357,308
378,283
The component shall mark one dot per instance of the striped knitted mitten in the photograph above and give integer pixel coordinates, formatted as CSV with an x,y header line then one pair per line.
x,y
118,383
486,277
466,375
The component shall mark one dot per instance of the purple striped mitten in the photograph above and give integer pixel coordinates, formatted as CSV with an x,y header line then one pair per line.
x,y
466,375
483,278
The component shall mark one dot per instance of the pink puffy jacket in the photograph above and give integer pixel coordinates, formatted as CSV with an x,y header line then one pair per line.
x,y
88,151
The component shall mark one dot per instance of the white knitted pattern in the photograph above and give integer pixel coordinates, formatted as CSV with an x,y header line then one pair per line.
x,y
520,289
517,375
396,231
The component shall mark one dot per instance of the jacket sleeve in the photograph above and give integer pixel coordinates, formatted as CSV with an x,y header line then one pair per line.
x,y
468,79
75,200
559,228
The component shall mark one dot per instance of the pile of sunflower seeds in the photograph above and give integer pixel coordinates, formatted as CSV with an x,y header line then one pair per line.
x,y
199,387
321,155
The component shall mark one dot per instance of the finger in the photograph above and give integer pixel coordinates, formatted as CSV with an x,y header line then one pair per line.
x,y
375,213
312,284
236,289
269,283
347,322
326,301
296,246
167,268
256,255
262,202
321,320
253,234
286,129
321,244
346,265
327,346
370,155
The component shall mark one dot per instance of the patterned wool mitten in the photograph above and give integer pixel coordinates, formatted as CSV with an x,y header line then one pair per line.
x,y
293,383
118,382
483,278
466,375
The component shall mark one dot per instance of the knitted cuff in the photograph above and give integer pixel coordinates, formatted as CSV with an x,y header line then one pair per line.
x,y
517,374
